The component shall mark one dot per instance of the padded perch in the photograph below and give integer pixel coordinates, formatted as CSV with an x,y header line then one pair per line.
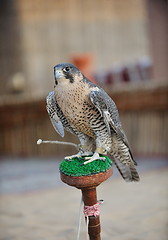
x,y
87,178
74,167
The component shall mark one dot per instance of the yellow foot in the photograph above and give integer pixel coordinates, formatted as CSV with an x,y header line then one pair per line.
x,y
95,157
78,155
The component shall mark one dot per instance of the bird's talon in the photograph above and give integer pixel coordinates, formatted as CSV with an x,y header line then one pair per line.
x,y
68,160
94,158
99,158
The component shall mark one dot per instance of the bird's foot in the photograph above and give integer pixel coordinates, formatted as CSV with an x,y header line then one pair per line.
x,y
95,157
70,158
78,155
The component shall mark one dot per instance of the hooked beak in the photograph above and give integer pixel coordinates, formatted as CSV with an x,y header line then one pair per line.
x,y
57,74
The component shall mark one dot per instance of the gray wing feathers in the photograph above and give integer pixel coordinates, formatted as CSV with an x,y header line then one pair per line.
x,y
52,112
109,111
57,125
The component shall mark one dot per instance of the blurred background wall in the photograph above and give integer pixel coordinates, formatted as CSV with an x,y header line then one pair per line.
x,y
121,45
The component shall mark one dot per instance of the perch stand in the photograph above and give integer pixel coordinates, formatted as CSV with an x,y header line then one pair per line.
x,y
87,178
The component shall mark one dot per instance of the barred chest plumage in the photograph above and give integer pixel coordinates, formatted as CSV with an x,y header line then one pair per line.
x,y
76,106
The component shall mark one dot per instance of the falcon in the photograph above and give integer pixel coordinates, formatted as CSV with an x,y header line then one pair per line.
x,y
86,110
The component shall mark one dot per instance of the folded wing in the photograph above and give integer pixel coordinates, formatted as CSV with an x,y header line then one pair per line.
x,y
51,107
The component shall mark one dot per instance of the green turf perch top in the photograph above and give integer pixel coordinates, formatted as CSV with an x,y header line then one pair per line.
x,y
75,167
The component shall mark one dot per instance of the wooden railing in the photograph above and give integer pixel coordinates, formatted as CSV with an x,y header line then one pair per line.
x,y
143,111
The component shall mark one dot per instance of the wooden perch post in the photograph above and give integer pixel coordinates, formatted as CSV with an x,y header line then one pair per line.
x,y
90,198
87,185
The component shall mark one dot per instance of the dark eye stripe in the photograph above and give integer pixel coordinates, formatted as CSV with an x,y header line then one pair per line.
x,y
69,76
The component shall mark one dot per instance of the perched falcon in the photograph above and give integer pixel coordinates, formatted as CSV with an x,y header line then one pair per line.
x,y
84,109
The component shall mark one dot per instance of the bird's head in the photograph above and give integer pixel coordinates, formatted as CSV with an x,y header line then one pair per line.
x,y
66,73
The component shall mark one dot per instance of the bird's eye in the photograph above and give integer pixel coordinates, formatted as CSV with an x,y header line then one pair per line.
x,y
67,69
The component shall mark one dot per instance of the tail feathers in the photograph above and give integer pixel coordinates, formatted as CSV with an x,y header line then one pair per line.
x,y
135,163
127,171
